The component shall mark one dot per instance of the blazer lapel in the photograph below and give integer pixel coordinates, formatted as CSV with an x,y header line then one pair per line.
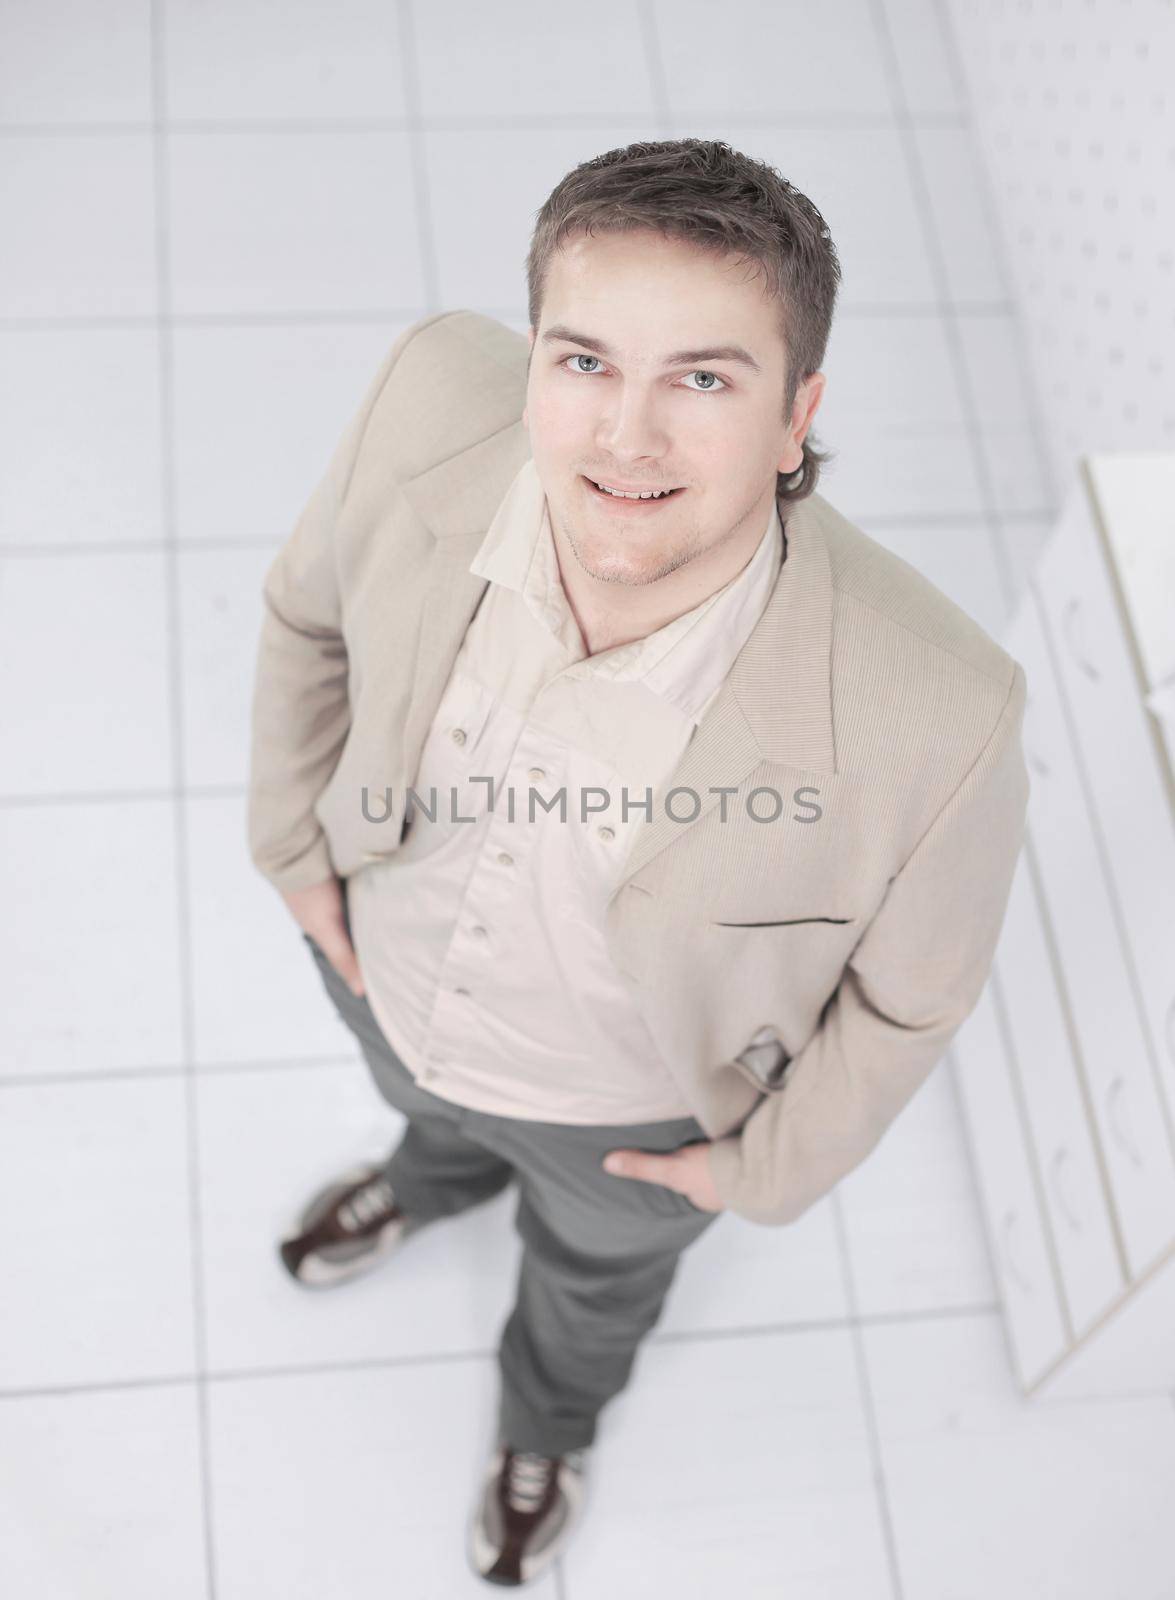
x,y
457,507
776,703
451,598
722,751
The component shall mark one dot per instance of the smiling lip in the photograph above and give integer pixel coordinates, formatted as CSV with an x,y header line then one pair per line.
x,y
644,488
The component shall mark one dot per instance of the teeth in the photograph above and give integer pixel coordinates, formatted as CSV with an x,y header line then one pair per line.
x,y
622,494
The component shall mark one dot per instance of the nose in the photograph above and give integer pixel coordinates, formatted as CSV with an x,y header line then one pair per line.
x,y
629,428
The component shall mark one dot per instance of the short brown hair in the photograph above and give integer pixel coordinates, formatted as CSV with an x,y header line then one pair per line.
x,y
708,195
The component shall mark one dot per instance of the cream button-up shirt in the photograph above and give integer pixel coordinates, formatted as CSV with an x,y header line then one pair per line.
x,y
481,940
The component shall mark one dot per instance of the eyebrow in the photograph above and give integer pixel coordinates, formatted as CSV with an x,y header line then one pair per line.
x,y
721,352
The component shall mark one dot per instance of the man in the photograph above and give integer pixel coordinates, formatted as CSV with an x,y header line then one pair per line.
x,y
715,805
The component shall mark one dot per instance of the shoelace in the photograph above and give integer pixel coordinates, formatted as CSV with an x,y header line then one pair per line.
x,y
375,1198
527,1477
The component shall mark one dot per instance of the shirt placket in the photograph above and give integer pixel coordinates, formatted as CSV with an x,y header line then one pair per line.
x,y
497,890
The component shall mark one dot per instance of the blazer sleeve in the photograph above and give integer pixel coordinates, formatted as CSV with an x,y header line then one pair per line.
x,y
301,710
913,979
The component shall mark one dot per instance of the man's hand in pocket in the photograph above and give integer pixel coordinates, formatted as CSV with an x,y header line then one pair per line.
x,y
318,911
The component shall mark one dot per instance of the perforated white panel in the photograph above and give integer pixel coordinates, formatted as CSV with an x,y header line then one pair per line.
x,y
1073,107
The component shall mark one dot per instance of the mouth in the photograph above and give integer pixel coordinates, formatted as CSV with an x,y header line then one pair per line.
x,y
623,503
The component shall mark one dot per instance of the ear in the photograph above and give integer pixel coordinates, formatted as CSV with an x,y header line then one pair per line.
x,y
807,401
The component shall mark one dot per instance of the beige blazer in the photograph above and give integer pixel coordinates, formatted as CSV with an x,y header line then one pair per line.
x,y
807,939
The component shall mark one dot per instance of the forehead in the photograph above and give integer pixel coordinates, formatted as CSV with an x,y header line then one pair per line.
x,y
646,296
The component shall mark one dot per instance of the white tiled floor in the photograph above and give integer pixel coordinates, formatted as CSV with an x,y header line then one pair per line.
x,y
217,217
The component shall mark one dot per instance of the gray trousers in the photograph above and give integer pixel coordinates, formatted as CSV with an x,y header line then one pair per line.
x,y
599,1251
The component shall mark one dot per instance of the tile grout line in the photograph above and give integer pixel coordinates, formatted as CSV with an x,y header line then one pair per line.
x,y
362,316
414,127
153,1073
131,547
855,1323
473,122
160,1072
1005,567
654,61
989,1243
700,1336
999,245
166,378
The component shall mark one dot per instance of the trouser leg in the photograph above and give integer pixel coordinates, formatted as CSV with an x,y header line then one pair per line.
x,y
600,1253
571,1340
437,1172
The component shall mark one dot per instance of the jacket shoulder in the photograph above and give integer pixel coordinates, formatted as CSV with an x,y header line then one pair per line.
x,y
867,576
457,379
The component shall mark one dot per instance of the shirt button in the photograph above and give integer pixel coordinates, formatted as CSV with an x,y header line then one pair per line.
x,y
458,735
461,991
607,833
479,932
537,774
504,859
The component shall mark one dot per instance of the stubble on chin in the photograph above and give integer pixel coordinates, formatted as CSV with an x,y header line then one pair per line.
x,y
620,568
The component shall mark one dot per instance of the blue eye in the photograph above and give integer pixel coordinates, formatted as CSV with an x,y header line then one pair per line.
x,y
704,374
701,372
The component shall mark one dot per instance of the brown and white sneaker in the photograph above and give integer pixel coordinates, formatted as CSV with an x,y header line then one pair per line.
x,y
528,1506
345,1229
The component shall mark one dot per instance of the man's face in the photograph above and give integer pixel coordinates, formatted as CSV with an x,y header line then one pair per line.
x,y
647,404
